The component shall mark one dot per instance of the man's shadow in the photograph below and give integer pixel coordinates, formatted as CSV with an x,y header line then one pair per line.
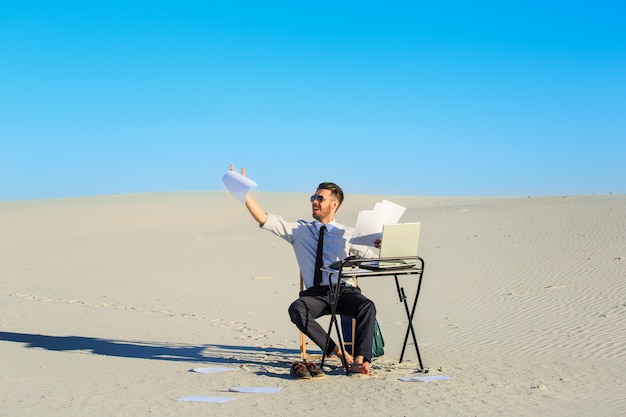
x,y
210,353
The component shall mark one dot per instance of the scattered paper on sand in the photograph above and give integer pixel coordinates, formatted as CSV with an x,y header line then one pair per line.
x,y
204,399
260,390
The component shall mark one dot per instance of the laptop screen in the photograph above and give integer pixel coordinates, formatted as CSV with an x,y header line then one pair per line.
x,y
400,239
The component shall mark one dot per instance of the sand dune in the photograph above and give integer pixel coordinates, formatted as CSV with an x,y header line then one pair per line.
x,y
108,302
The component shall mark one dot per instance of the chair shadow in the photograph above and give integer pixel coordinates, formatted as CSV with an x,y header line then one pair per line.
x,y
209,353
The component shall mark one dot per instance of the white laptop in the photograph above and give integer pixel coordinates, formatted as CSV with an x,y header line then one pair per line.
x,y
398,240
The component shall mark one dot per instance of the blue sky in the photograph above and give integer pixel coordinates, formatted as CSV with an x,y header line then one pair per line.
x,y
449,98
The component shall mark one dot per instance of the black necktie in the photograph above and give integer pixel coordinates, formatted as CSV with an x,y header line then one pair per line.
x,y
317,276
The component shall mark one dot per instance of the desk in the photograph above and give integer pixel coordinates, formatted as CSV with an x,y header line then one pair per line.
x,y
351,268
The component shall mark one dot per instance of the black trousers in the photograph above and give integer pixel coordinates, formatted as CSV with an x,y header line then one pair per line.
x,y
314,303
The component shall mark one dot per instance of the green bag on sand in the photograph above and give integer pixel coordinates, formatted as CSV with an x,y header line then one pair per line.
x,y
378,345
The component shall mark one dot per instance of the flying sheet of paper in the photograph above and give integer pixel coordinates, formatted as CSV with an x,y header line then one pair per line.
x,y
212,370
238,185
369,223
261,390
426,378
204,399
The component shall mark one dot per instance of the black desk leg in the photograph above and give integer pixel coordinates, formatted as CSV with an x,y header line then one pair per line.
x,y
327,343
410,329
334,297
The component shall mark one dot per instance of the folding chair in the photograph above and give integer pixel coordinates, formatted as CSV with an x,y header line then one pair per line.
x,y
348,345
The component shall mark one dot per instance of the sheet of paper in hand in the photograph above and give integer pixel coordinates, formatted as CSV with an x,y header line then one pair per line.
x,y
369,223
238,185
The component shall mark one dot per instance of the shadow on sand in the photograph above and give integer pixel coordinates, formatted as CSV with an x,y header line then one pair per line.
x,y
210,353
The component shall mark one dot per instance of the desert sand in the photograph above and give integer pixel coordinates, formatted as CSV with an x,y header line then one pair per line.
x,y
107,304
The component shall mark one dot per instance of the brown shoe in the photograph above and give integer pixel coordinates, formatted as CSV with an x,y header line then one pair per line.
x,y
299,371
314,370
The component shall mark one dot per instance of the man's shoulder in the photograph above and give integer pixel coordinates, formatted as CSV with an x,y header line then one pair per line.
x,y
343,228
276,219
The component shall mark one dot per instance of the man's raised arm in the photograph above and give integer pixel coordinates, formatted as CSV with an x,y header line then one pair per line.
x,y
254,208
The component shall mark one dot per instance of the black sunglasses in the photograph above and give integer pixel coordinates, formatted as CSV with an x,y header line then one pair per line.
x,y
319,198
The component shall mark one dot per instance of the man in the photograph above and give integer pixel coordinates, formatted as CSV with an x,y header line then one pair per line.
x,y
313,301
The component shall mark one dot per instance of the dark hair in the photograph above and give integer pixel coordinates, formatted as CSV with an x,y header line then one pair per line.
x,y
333,188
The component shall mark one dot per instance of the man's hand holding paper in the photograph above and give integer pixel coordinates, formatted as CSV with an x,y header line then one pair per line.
x,y
238,184
369,223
